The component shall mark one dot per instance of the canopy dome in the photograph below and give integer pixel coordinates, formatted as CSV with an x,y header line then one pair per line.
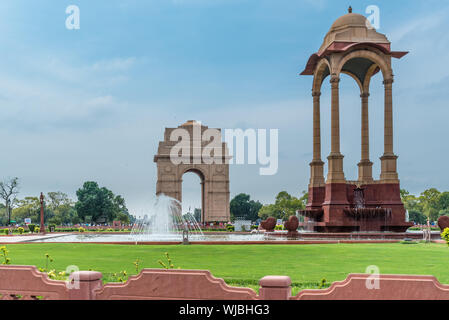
x,y
350,20
352,28
348,32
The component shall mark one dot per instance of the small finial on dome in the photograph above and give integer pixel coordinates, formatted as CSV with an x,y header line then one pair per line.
x,y
350,9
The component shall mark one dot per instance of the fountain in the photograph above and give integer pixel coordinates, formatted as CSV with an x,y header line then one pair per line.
x,y
165,223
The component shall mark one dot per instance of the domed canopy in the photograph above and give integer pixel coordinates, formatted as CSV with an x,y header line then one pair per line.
x,y
352,28
346,32
350,20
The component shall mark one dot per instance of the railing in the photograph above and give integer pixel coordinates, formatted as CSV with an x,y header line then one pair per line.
x,y
26,282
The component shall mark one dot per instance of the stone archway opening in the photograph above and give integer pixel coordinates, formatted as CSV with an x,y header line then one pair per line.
x,y
192,194
350,125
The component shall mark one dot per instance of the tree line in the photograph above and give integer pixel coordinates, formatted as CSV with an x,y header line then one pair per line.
x,y
285,205
94,205
431,204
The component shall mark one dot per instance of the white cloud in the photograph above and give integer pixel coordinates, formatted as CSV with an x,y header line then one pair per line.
x,y
426,39
418,25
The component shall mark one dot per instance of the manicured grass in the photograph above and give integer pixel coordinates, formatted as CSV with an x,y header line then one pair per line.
x,y
244,265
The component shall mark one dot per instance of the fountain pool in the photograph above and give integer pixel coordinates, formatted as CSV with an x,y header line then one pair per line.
x,y
175,238
233,238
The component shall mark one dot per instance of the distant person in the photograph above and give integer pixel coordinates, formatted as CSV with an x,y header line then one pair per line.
x,y
427,233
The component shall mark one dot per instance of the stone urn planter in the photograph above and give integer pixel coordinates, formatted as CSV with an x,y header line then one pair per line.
x,y
269,224
443,222
292,225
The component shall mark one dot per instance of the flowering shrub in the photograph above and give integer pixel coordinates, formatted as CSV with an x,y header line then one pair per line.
x,y
20,230
48,259
120,276
81,229
4,255
445,235
322,283
169,264
136,265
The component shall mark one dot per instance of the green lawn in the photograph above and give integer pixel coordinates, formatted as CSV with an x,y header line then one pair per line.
x,y
244,265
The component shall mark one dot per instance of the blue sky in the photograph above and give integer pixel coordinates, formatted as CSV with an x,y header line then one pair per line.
x,y
92,104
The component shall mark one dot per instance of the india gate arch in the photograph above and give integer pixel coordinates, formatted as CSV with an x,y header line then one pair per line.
x,y
353,47
215,196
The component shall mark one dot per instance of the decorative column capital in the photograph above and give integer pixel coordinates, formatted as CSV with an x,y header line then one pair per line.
x,y
364,95
334,81
388,81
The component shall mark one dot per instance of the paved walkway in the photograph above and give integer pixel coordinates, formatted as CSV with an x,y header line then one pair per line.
x,y
26,238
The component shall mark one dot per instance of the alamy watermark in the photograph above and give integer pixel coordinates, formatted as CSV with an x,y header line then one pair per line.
x,y
72,22
74,278
373,281
373,18
206,147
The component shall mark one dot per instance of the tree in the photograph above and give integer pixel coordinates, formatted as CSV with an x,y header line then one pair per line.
x,y
197,214
29,207
123,218
414,207
443,204
269,210
430,204
429,201
3,215
8,192
417,217
404,193
57,199
94,203
60,209
120,206
121,211
241,206
100,204
409,200
285,205
304,199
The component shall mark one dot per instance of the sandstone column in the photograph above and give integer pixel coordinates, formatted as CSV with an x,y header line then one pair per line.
x,y
365,165
316,166
388,160
335,158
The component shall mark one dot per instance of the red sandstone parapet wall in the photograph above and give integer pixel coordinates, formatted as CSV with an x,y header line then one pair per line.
x,y
26,282
390,287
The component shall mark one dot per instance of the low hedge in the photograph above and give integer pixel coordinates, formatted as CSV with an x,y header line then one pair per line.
x,y
419,228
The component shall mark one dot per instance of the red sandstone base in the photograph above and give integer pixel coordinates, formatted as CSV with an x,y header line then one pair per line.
x,y
343,207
